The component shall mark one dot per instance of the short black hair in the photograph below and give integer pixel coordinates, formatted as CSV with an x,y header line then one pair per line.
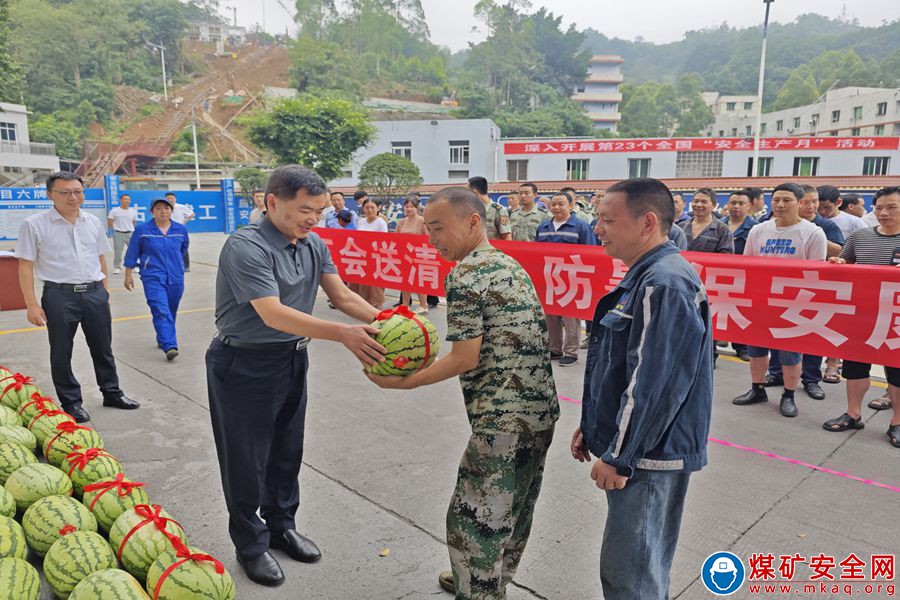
x,y
63,176
644,195
478,184
742,192
170,194
359,194
463,200
886,191
828,193
533,187
286,181
124,196
341,194
570,192
709,192
807,188
848,200
753,192
797,190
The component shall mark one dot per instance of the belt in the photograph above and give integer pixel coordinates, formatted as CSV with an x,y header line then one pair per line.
x,y
117,231
295,346
73,287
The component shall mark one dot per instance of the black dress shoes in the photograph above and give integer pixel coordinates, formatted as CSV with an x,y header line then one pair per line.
x,y
79,414
298,547
263,569
123,402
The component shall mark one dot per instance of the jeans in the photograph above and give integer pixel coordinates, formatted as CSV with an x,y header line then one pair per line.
x,y
642,525
812,368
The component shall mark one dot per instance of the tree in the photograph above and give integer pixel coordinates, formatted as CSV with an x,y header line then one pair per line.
x,y
319,132
56,129
388,176
11,82
800,89
250,179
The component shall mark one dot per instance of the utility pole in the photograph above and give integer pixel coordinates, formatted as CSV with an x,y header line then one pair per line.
x,y
162,60
196,154
754,172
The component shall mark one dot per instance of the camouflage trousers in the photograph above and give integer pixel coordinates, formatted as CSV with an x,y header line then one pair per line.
x,y
490,514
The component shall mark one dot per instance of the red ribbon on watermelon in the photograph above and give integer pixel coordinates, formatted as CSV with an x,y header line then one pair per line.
x,y
67,530
61,428
19,381
151,514
184,554
123,488
40,401
404,311
49,413
80,460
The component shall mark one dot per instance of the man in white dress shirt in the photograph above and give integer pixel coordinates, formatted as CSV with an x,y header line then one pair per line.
x,y
121,220
65,248
183,214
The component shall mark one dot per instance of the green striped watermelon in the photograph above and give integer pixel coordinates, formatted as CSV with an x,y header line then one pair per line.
x,y
19,580
30,483
4,372
16,389
13,456
8,416
30,409
43,425
109,584
45,520
73,557
405,341
19,435
137,541
195,578
7,503
110,497
89,465
12,540
64,440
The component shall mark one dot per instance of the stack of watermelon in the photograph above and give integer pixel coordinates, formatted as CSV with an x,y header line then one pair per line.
x,y
78,561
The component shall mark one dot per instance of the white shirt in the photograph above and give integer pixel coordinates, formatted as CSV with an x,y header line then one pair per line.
x,y
123,218
800,241
847,223
328,210
181,212
378,224
870,219
63,252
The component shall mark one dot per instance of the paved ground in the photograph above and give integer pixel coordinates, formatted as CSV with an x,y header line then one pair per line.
x,y
379,467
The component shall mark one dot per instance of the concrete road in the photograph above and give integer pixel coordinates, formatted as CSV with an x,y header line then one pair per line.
x,y
379,467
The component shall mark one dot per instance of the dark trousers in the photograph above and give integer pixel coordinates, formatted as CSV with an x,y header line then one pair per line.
x,y
65,311
257,403
812,368
187,260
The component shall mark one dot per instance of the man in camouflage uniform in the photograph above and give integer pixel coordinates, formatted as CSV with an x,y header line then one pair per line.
x,y
500,352
524,221
496,216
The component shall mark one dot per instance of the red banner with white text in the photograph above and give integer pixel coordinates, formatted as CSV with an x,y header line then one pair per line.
x,y
843,311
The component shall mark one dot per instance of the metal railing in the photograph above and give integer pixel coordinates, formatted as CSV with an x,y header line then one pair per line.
x,y
28,148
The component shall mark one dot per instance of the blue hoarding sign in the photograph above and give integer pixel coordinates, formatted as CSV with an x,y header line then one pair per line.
x,y
209,214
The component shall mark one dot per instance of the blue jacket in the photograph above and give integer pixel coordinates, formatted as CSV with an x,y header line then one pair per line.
x,y
573,231
648,384
160,257
740,234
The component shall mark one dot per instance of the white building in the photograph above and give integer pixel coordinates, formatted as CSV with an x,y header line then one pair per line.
x,y
599,94
850,111
730,106
205,31
22,162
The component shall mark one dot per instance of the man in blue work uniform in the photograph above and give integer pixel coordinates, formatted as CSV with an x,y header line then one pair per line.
x,y
269,274
647,391
158,247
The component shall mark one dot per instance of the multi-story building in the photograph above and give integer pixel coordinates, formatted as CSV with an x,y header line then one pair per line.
x,y
599,94
207,31
731,107
850,111
23,163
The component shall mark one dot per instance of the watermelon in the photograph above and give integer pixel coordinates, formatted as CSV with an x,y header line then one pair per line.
x,y
109,584
19,580
109,498
197,576
8,416
7,503
43,425
73,557
19,435
45,520
145,541
12,539
16,389
89,465
13,456
34,406
32,482
411,342
66,438
4,372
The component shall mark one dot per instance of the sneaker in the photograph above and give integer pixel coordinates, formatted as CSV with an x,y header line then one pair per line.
x,y
422,310
788,407
568,361
555,355
585,342
445,580
744,355
751,397
171,353
116,271
773,380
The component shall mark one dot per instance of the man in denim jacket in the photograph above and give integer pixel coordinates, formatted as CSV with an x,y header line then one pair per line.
x,y
647,391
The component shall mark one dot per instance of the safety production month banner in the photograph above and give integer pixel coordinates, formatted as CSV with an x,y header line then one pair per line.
x,y
844,311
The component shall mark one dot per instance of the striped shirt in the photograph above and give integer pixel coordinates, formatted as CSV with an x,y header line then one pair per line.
x,y
868,247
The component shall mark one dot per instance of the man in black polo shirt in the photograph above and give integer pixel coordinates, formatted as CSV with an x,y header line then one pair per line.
x,y
269,274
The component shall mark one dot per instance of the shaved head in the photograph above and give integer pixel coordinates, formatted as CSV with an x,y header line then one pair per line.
x,y
463,200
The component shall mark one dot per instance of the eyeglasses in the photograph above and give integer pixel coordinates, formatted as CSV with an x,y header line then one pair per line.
x,y
69,193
